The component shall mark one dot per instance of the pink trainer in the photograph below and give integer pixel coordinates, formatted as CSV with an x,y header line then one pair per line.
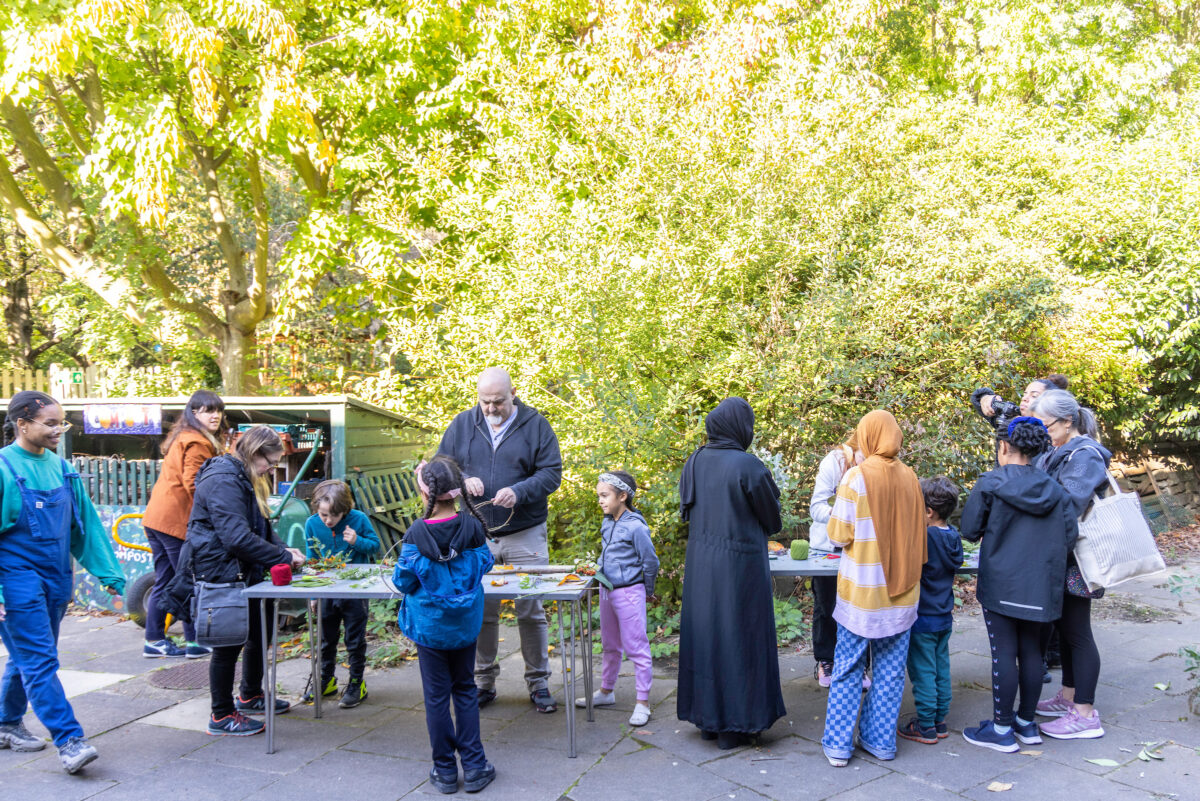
x,y
1054,707
1073,726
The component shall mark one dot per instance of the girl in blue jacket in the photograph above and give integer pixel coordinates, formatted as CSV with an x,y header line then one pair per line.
x,y
440,571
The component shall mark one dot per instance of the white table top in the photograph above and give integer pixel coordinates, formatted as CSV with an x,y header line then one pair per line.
x,y
374,587
820,563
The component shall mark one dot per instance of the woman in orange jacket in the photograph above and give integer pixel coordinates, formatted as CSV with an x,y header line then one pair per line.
x,y
191,442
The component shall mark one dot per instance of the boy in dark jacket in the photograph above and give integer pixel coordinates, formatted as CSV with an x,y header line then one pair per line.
x,y
929,643
1028,527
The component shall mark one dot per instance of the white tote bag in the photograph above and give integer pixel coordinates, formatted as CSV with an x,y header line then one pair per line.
x,y
1115,542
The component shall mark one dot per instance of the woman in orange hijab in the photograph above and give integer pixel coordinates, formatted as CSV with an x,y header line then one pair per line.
x,y
879,521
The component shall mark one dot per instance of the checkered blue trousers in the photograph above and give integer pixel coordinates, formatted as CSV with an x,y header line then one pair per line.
x,y
877,726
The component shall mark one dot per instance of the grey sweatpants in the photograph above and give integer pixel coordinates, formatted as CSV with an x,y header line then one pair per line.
x,y
526,547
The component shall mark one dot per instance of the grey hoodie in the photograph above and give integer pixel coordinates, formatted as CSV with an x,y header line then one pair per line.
x,y
626,553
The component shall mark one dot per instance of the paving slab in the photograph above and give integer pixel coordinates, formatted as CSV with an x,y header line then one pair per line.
x,y
1042,780
1177,774
78,682
802,774
897,786
126,752
522,775
648,775
191,779
297,742
36,785
339,775
1165,719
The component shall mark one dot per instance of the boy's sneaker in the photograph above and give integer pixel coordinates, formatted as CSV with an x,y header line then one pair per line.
x,y
258,705
235,725
1073,726
355,694
823,673
1027,733
75,753
161,649
485,696
640,716
913,730
328,687
985,735
599,698
943,731
1054,707
196,650
19,738
478,778
543,701
446,783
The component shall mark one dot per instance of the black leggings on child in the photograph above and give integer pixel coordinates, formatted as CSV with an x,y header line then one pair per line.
x,y
1080,656
1016,661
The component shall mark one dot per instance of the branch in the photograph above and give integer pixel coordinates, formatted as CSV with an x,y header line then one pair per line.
x,y
231,252
116,292
307,170
83,230
172,296
50,343
72,131
250,314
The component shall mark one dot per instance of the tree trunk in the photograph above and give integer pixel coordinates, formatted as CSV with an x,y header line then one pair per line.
x,y
18,319
236,360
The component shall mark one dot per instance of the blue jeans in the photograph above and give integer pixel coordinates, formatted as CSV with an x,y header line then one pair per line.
x,y
877,728
929,673
446,675
165,550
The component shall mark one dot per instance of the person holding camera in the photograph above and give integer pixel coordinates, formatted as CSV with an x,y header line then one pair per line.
x,y
999,412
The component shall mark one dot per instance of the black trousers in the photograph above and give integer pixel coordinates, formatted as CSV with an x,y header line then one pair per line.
x,y
824,628
223,665
335,613
447,675
165,551
1016,662
1080,656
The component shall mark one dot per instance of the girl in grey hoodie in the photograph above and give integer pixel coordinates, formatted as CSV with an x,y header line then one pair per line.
x,y
628,567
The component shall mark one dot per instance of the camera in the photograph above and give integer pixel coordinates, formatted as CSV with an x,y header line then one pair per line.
x,y
1002,411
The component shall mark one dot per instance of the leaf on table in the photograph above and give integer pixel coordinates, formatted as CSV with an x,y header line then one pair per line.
x,y
999,787
1104,763
1164,686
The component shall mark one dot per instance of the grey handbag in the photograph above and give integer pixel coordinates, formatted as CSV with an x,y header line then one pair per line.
x,y
220,614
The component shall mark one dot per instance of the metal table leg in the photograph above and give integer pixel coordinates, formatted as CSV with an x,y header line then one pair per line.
x,y
568,682
268,656
587,660
314,657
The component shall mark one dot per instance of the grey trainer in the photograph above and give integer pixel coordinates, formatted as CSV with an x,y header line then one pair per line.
x,y
19,738
75,753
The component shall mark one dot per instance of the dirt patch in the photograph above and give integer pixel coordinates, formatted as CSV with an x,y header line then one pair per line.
x,y
1128,609
1178,544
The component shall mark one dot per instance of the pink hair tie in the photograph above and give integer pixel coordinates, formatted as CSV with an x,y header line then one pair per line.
x,y
445,496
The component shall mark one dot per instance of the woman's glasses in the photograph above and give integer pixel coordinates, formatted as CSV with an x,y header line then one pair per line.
x,y
60,428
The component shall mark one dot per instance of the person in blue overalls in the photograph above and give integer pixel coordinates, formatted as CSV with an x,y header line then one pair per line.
x,y
46,518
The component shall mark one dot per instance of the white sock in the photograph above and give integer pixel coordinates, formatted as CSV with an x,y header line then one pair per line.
x,y
1022,722
1002,729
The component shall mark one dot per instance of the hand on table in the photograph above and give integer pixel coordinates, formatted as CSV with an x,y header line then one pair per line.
x,y
298,558
506,498
474,486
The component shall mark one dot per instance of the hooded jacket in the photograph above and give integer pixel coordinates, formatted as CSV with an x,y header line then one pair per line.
x,y
1028,527
1080,465
440,572
935,609
527,460
228,539
626,553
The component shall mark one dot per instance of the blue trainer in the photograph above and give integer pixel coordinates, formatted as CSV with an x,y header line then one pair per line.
x,y
161,649
985,735
1027,733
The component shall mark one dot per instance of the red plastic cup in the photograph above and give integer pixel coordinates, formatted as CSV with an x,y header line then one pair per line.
x,y
281,575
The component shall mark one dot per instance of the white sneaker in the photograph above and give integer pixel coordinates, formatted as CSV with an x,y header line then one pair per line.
x,y
640,716
599,698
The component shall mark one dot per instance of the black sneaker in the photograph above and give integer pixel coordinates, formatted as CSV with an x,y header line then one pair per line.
x,y
943,731
258,705
444,782
913,730
543,701
355,694
329,687
485,697
235,725
75,753
475,780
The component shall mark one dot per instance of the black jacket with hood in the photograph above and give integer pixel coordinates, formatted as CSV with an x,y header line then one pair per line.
x,y
527,460
228,539
1028,526
1080,465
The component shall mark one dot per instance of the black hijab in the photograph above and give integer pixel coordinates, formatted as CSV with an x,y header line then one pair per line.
x,y
730,426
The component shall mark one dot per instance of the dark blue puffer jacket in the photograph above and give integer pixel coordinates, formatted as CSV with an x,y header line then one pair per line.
x,y
440,572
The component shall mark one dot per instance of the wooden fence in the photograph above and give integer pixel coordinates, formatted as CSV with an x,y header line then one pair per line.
x,y
97,382
14,381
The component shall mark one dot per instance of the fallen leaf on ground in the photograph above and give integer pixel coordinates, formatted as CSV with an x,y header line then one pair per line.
x,y
1164,686
1031,752
999,787
1104,763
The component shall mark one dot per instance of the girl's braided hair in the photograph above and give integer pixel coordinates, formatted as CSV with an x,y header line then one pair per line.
x,y
1028,435
442,475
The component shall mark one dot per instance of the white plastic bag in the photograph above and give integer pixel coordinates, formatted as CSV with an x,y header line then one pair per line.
x,y
1115,542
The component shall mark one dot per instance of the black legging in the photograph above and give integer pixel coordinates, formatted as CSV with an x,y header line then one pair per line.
x,y
223,664
1016,660
1080,656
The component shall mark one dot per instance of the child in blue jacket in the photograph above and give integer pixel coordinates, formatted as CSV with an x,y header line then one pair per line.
x,y
929,643
440,571
339,528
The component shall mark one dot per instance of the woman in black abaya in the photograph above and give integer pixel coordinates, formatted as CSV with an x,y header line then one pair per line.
x,y
728,663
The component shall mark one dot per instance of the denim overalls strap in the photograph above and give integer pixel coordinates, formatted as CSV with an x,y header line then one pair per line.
x,y
41,538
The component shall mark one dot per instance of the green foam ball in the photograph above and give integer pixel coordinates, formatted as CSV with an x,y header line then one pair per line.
x,y
799,550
